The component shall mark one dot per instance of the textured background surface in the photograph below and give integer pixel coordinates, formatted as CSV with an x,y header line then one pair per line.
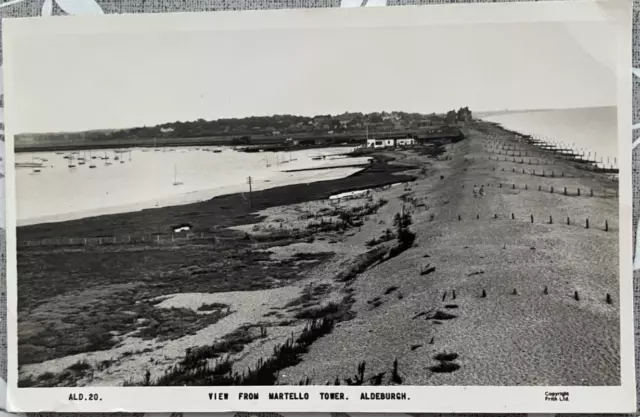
x,y
28,8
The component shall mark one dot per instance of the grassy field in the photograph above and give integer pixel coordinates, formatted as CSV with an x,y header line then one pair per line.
x,y
418,283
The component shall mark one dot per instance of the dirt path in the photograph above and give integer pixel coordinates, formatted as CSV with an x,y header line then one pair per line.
x,y
517,303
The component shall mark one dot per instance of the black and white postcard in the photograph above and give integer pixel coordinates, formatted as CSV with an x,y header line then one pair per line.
x,y
402,209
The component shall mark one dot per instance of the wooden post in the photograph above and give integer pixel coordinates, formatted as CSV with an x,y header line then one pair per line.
x,y
587,224
550,220
514,186
250,182
459,218
565,190
500,185
592,192
85,240
513,216
158,238
578,192
539,187
551,190
568,221
532,218
526,187
606,226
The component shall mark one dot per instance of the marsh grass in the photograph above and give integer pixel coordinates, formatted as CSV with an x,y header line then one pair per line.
x,y
198,372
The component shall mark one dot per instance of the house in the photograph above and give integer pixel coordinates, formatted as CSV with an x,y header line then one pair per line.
x,y
390,142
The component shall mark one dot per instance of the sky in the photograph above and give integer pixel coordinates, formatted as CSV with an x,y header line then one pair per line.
x,y
116,80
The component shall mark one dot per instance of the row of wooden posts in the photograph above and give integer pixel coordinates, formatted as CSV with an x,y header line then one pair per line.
x,y
544,173
552,190
531,218
106,240
545,291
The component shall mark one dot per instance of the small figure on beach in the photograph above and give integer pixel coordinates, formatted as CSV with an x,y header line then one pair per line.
x,y
475,190
481,191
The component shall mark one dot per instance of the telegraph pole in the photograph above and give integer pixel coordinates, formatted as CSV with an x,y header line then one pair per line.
x,y
250,181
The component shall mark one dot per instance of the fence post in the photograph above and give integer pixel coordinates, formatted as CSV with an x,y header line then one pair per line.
x,y
158,238
514,186
551,189
578,192
568,221
565,190
513,216
606,226
532,218
592,192
550,219
587,223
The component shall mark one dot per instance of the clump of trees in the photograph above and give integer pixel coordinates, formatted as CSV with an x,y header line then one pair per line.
x,y
463,114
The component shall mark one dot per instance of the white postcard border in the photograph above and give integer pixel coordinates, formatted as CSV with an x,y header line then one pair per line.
x,y
619,399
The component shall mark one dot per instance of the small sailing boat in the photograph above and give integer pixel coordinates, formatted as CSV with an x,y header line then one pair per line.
x,y
35,170
175,176
71,164
92,165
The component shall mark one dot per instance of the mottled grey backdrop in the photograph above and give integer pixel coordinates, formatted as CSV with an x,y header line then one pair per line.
x,y
28,8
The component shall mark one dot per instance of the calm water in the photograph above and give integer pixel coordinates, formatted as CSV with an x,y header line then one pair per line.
x,y
592,129
146,179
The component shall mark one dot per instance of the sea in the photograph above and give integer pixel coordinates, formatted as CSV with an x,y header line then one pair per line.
x,y
146,178
592,130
